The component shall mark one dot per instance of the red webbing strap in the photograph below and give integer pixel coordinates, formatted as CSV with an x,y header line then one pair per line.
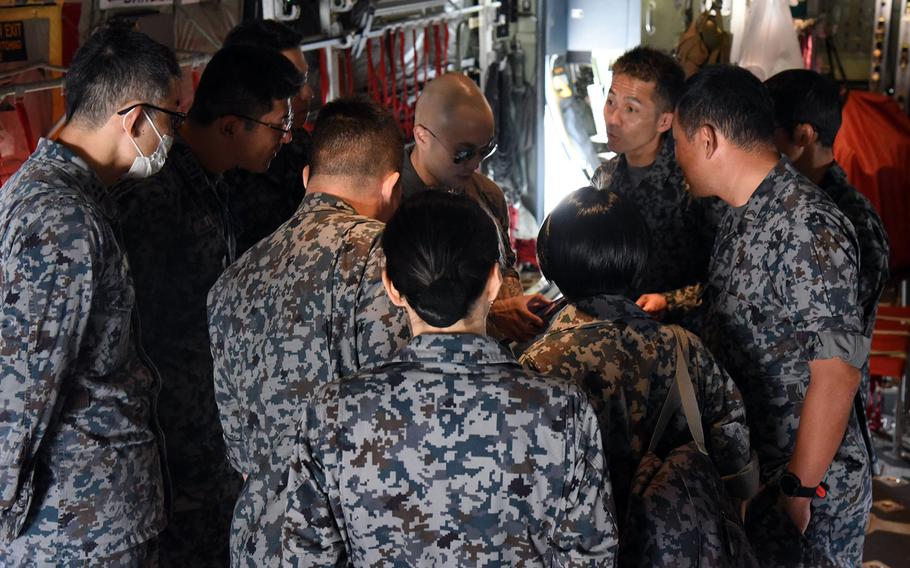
x,y
196,75
383,77
26,124
372,83
405,119
416,61
437,51
349,66
445,47
393,80
426,53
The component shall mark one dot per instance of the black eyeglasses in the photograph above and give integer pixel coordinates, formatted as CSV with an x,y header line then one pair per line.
x,y
461,156
284,128
177,117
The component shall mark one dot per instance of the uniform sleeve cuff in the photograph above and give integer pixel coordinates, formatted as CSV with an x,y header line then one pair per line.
x,y
851,347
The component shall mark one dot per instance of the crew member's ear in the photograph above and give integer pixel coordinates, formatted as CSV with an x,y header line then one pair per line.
x,y
707,141
132,122
804,135
306,176
420,134
494,282
396,298
665,122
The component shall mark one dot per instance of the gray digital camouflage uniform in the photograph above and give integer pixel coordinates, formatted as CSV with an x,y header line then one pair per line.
x,y
261,202
783,292
178,236
81,476
874,251
681,227
626,362
449,454
299,309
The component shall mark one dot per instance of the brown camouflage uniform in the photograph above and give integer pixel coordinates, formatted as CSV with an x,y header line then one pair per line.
x,y
626,362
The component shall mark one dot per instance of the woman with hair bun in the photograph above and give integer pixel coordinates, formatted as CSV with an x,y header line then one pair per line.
x,y
449,453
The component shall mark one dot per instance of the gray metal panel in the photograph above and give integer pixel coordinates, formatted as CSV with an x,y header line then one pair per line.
x,y
604,24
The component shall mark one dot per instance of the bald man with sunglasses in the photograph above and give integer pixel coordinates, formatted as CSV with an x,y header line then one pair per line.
x,y
454,132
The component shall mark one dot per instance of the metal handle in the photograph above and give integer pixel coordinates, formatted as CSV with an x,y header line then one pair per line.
x,y
649,18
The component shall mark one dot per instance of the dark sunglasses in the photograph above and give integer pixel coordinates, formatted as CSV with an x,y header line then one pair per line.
x,y
177,117
462,156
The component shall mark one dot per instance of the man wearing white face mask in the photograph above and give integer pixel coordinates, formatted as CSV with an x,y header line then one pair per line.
x,y
81,474
179,235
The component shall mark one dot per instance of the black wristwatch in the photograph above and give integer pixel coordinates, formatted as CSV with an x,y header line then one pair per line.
x,y
791,486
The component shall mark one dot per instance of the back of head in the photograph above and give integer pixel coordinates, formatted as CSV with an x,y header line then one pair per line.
x,y
354,137
594,242
116,65
652,66
440,248
731,100
805,97
243,80
264,33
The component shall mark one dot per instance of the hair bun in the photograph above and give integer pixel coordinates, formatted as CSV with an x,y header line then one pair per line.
x,y
443,302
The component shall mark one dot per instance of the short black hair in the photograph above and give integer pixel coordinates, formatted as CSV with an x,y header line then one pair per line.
x,y
116,65
355,137
732,100
652,66
594,242
440,248
264,33
805,97
243,80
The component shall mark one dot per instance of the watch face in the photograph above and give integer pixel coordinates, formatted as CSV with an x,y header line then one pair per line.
x,y
789,484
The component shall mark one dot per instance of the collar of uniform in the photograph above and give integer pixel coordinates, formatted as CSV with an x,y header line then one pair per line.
x,y
834,177
410,181
317,201
455,348
605,307
661,170
765,194
89,183
186,161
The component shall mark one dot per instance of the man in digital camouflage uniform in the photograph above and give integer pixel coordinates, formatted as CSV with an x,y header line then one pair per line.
x,y
82,481
454,132
784,319
179,237
638,114
261,201
302,308
807,112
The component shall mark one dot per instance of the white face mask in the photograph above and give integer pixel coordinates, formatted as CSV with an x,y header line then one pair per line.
x,y
145,166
